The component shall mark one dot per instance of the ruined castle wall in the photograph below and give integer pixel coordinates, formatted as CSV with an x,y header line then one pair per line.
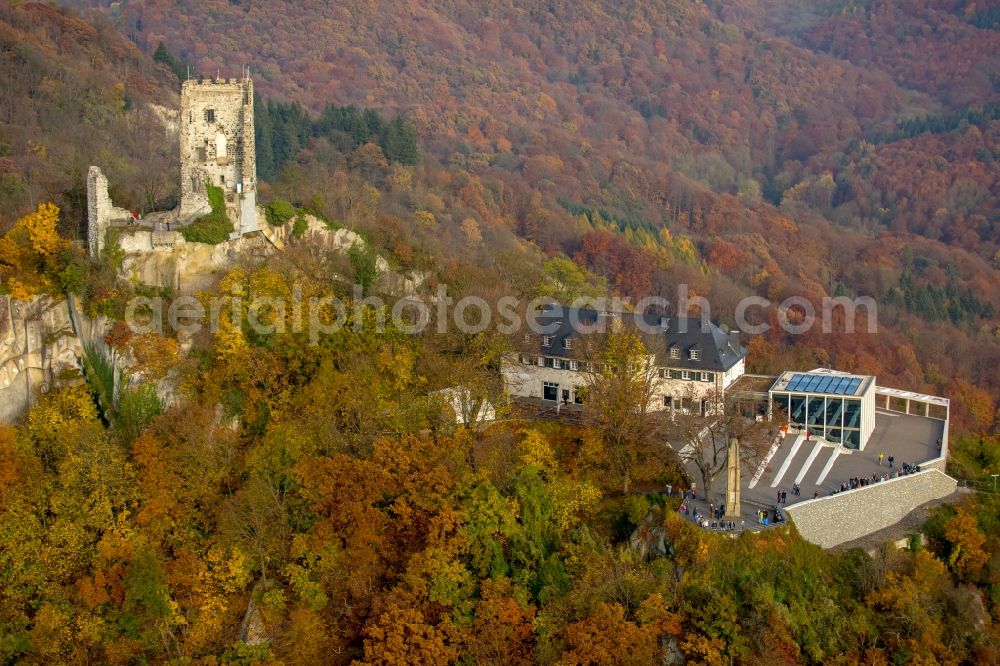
x,y
101,212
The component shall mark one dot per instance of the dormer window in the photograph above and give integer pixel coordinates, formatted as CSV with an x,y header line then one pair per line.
x,y
695,354
567,343
546,340
675,352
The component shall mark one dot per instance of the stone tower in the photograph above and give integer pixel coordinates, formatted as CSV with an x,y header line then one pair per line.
x,y
217,147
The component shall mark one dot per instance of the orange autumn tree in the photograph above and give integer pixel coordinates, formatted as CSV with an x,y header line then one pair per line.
x,y
608,636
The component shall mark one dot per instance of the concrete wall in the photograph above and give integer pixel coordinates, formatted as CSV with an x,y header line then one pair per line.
x,y
836,519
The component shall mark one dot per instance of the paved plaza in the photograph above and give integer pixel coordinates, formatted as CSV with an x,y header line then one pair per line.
x,y
819,468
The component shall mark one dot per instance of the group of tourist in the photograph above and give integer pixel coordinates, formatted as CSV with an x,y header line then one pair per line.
x,y
764,517
862,481
713,521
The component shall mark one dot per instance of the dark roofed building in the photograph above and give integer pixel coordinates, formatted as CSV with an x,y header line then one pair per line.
x,y
692,357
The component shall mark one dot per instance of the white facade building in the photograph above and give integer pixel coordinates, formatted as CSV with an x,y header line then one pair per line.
x,y
836,406
690,362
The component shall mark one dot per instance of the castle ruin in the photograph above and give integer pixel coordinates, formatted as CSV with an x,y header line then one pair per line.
x,y
101,212
217,148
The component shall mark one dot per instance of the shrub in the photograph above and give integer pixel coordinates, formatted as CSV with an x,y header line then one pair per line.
x,y
278,212
214,227
363,260
300,226
137,407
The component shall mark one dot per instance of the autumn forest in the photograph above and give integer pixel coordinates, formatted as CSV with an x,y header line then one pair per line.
x,y
769,148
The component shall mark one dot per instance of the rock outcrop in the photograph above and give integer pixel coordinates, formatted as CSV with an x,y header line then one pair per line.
x,y
38,348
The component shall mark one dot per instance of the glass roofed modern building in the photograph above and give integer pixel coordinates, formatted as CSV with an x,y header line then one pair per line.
x,y
836,406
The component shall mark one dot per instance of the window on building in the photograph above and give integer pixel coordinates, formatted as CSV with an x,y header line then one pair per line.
x,y
708,376
695,354
527,360
685,374
579,394
663,373
797,410
527,337
541,361
668,401
550,391
209,115
546,340
567,343
675,352
574,365
550,362
852,413
557,363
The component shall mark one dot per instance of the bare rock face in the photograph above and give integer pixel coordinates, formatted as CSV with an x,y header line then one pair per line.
x,y
165,259
37,347
254,628
650,539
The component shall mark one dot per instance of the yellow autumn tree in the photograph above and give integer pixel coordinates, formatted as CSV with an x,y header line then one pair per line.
x,y
967,556
31,253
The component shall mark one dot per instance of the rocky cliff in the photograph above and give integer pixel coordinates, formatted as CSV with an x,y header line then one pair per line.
x,y
38,348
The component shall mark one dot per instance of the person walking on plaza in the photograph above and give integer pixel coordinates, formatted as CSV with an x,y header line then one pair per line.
x,y
890,461
880,457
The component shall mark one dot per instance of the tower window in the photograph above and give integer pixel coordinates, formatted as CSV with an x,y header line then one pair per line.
x,y
210,115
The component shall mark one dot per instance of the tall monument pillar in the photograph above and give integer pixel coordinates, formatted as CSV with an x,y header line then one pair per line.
x,y
733,509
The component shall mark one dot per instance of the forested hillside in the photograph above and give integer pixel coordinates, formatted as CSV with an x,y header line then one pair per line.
x,y
513,148
752,147
75,92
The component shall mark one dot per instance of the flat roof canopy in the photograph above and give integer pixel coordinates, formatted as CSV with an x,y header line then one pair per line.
x,y
823,383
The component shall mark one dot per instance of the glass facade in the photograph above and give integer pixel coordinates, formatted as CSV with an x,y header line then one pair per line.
x,y
835,418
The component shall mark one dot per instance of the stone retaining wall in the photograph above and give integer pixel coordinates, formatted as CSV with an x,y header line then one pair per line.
x,y
836,519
